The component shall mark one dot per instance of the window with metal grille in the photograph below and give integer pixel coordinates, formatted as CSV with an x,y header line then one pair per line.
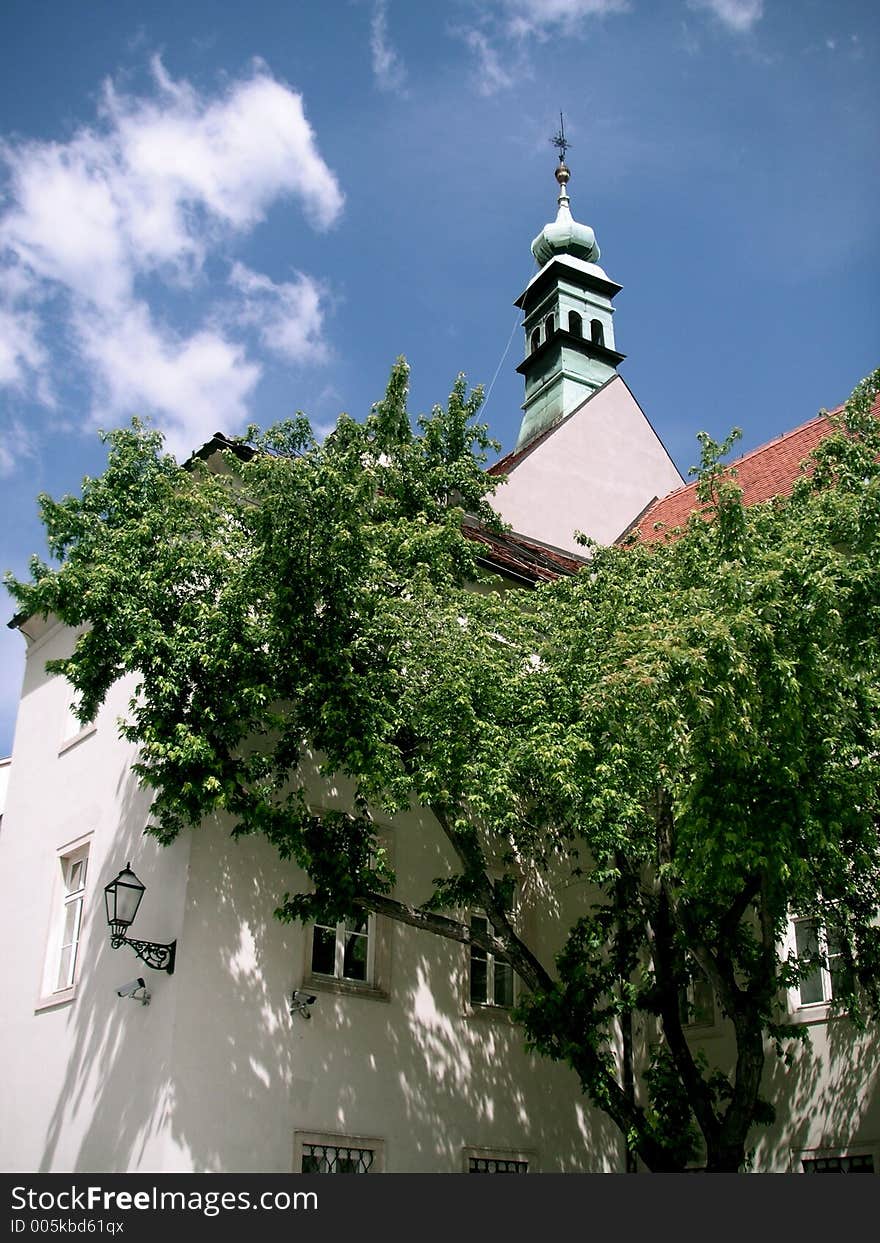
x,y
493,1165
861,1164
336,1159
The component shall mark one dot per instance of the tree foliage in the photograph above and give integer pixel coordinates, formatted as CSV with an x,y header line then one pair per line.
x,y
689,728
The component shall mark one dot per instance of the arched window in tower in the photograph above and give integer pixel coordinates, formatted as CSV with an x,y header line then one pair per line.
x,y
535,339
575,324
597,332
548,327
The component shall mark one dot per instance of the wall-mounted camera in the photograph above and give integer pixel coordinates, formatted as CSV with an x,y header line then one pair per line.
x,y
136,990
300,1003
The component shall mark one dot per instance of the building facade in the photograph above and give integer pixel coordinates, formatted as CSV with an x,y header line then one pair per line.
x,y
366,1047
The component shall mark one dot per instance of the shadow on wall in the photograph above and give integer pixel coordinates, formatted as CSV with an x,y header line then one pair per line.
x,y
829,1096
215,1074
113,1091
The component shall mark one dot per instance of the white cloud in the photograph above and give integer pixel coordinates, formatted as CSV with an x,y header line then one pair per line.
x,y
288,317
16,444
152,185
388,68
157,185
20,350
738,15
542,16
492,75
503,59
192,386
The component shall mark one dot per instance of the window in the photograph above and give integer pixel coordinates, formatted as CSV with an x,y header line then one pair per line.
x,y
495,1161
575,324
491,975
819,949
548,327
696,1003
63,959
597,332
535,339
857,1164
336,1154
345,951
354,955
73,868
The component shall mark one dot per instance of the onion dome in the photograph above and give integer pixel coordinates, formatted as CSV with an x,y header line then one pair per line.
x,y
564,236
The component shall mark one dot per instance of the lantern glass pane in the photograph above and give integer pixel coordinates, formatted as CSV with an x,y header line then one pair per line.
x,y
127,902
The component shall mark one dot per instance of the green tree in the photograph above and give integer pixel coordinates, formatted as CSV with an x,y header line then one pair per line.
x,y
690,728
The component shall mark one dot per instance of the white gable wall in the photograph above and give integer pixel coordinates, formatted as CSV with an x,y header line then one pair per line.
x,y
594,472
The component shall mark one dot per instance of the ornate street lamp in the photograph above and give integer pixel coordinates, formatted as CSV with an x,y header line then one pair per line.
x,y
122,898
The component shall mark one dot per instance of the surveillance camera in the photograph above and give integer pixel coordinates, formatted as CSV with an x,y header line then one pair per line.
x,y
300,1002
136,989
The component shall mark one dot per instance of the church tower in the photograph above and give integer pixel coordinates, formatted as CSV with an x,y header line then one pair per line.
x,y
567,318
587,459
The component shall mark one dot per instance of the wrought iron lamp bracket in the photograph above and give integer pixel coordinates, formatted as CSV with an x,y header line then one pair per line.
x,y
159,957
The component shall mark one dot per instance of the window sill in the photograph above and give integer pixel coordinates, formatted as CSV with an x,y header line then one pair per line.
x,y
62,998
70,743
815,1012
346,988
489,1013
702,1031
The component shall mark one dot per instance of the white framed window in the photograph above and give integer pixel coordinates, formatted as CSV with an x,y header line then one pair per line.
x,y
73,869
345,951
819,950
64,957
352,956
324,1153
496,1161
490,976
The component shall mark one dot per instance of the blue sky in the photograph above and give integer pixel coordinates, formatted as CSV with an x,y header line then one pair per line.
x,y
213,214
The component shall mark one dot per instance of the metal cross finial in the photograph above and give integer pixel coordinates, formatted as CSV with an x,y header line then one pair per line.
x,y
560,141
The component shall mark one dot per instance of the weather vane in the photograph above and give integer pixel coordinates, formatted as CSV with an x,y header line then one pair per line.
x,y
560,141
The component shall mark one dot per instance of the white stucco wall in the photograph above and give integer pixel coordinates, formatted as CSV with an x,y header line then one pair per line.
x,y
5,768
594,472
215,1074
73,1073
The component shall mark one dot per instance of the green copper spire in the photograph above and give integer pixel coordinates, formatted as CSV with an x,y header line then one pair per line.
x,y
565,236
567,318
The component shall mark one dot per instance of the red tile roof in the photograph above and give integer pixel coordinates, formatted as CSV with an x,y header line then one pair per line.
x,y
765,472
524,558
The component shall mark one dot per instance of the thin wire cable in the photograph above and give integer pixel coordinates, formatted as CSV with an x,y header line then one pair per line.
x,y
516,324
